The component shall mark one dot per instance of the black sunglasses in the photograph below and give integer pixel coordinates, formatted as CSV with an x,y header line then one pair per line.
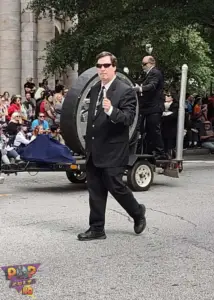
x,y
99,66
144,64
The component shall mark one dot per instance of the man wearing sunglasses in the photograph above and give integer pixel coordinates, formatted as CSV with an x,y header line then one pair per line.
x,y
40,122
111,112
151,102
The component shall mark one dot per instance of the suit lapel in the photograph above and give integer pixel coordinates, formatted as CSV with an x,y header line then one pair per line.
x,y
94,98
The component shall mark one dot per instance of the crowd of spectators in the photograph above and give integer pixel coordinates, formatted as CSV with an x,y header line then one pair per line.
x,y
21,120
199,122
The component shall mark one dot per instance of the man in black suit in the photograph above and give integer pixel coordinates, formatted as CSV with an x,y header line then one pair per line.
x,y
111,112
151,102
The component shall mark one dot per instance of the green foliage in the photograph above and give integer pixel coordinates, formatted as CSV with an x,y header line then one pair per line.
x,y
174,28
186,46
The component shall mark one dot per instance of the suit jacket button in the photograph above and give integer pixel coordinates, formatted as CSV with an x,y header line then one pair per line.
x,y
92,137
92,125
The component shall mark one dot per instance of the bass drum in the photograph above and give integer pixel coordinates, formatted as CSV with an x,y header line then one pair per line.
x,y
75,109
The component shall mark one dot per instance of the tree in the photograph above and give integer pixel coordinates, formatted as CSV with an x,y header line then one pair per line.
x,y
125,26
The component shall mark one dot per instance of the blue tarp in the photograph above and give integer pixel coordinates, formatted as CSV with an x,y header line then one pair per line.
x,y
46,150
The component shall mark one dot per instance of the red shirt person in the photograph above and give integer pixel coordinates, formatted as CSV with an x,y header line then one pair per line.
x,y
15,106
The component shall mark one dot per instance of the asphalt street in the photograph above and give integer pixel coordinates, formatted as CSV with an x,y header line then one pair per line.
x,y
40,217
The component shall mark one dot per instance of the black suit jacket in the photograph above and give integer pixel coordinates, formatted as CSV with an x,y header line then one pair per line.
x,y
152,100
107,137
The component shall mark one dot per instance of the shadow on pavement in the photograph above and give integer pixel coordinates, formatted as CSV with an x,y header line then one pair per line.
x,y
72,187
56,189
168,184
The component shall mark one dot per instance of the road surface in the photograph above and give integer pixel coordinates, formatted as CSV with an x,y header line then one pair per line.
x,y
40,217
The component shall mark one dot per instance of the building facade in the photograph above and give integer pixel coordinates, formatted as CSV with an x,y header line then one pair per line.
x,y
22,43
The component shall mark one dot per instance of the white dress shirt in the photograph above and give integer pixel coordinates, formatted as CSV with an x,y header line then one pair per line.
x,y
149,70
20,139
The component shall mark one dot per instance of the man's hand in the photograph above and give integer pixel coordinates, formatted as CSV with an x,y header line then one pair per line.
x,y
106,104
137,88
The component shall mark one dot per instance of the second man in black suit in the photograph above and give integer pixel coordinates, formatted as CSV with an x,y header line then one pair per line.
x,y
111,112
151,104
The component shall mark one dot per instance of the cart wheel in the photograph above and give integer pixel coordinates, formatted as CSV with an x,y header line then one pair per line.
x,y
76,177
140,176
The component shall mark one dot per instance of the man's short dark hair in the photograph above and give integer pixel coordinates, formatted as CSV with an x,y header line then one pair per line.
x,y
112,57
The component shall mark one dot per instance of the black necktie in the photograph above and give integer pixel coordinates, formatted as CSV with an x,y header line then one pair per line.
x,y
99,100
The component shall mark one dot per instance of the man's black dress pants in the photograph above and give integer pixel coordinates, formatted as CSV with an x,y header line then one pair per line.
x,y
151,124
100,181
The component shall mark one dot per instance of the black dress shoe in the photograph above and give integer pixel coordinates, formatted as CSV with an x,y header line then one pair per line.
x,y
91,235
140,224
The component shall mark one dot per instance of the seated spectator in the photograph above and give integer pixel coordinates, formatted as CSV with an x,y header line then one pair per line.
x,y
55,134
24,112
38,103
39,92
58,107
20,139
197,117
59,87
29,107
210,114
6,150
47,108
6,96
15,121
29,86
40,122
3,151
169,124
45,85
15,106
3,111
199,110
207,136
189,103
37,130
13,154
